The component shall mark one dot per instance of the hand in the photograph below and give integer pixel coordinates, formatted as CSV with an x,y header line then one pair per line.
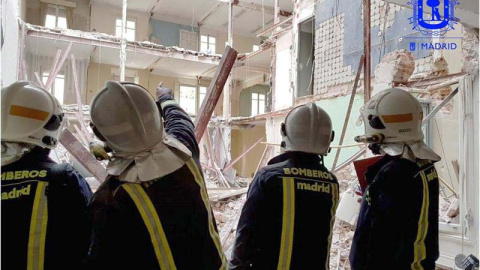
x,y
163,91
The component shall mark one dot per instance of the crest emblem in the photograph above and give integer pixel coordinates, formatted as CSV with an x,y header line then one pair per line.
x,y
433,17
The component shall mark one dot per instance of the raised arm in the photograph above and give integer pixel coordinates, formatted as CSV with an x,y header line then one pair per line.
x,y
177,122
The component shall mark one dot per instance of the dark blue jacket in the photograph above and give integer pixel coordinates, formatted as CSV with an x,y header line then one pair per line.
x,y
159,224
287,219
398,224
44,220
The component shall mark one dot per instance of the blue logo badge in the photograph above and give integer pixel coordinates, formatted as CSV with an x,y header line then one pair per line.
x,y
432,18
412,46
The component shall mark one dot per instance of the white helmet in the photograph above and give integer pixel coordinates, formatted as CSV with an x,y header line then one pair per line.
x,y
31,115
307,128
392,115
126,116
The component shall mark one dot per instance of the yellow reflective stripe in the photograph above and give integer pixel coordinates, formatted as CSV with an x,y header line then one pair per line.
x,y
168,103
332,222
288,223
153,224
203,190
28,112
38,229
419,245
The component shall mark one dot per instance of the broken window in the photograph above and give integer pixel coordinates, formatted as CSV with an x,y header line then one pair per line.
x,y
129,31
207,43
56,16
189,40
258,103
305,57
188,98
58,86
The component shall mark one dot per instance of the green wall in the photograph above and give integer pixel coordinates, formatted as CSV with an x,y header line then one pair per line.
x,y
337,109
246,97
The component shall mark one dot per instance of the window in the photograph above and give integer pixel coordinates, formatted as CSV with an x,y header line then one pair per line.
x,y
56,16
202,92
130,29
258,103
207,44
305,58
188,40
256,48
188,99
58,86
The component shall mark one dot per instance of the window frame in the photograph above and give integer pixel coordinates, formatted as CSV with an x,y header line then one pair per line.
x,y
56,15
257,111
134,29
212,46
297,57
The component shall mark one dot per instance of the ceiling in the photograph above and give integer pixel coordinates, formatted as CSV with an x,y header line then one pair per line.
x,y
248,20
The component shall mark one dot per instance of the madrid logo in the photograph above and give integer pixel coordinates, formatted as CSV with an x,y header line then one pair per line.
x,y
433,17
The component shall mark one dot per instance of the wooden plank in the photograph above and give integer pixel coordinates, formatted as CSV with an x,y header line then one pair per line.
x,y
52,69
367,43
39,80
351,159
440,106
349,110
58,67
80,153
229,165
214,91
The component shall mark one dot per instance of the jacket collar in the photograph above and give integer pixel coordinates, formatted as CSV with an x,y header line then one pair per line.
x,y
373,170
296,155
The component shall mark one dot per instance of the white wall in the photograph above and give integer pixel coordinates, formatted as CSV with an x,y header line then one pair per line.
x,y
9,50
104,16
283,92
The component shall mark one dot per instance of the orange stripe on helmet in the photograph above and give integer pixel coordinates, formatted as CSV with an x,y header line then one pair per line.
x,y
28,112
397,118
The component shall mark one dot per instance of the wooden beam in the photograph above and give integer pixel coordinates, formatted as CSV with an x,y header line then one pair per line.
x,y
58,67
273,27
356,156
367,43
210,13
445,101
428,82
52,69
349,110
39,80
229,165
214,91
82,155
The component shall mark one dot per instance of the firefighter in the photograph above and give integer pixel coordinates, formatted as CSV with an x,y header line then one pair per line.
x,y
287,219
398,224
44,220
153,211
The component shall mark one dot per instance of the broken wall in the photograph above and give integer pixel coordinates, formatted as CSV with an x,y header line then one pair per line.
x,y
35,10
242,139
103,19
9,42
283,92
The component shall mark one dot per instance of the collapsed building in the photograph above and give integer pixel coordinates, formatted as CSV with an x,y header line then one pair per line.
x,y
289,53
